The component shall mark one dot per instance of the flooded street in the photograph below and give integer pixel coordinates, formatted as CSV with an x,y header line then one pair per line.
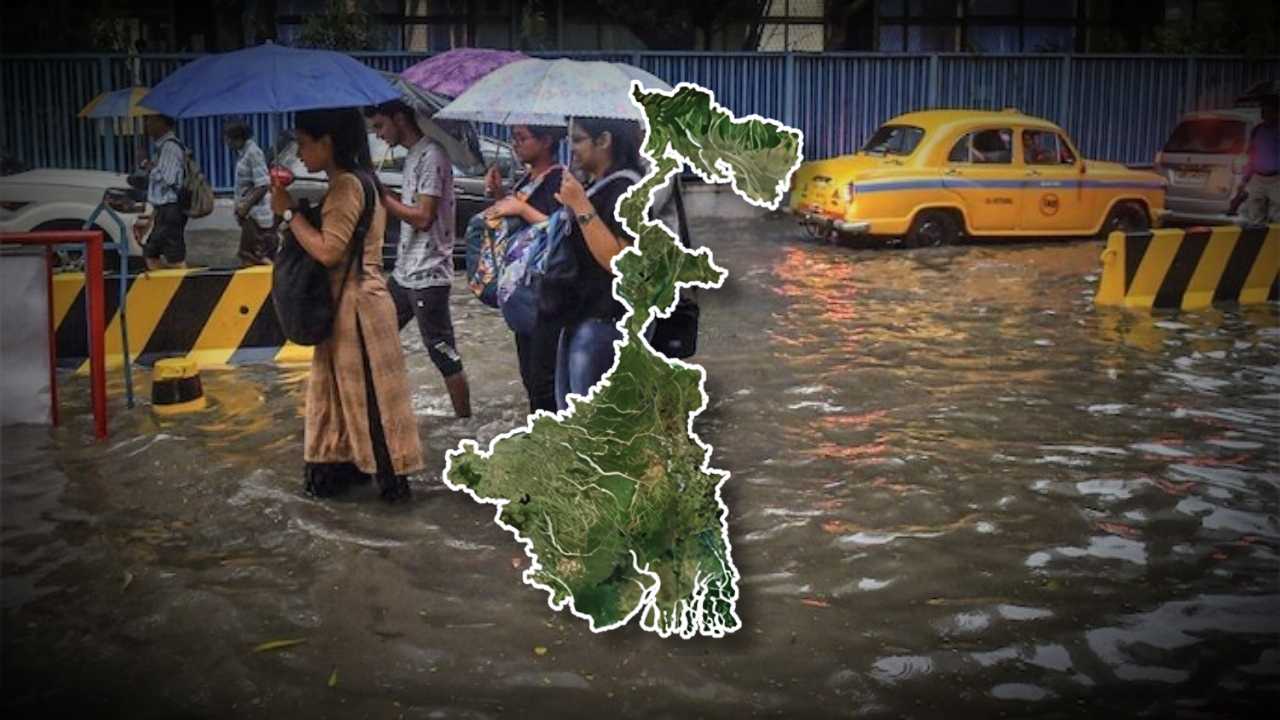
x,y
958,490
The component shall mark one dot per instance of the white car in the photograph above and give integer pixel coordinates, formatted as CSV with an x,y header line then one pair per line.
x,y
1203,163
57,199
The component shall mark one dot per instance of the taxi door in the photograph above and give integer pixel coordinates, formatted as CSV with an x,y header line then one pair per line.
x,y
1053,199
980,172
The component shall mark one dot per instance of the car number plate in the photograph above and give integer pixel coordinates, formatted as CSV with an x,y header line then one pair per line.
x,y
1190,177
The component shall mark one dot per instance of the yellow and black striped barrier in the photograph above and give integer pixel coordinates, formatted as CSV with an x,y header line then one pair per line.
x,y
214,317
1191,269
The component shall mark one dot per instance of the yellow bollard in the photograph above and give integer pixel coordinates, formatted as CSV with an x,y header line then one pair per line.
x,y
176,387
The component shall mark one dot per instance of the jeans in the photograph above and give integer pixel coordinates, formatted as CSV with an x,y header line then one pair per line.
x,y
585,354
537,354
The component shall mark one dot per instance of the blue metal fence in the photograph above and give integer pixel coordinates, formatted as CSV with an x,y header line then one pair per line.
x,y
1117,108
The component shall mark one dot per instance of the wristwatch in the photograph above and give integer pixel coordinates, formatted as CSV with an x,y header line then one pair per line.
x,y
285,218
584,218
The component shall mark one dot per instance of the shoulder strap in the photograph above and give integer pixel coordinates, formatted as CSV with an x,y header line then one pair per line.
x,y
533,186
362,229
597,186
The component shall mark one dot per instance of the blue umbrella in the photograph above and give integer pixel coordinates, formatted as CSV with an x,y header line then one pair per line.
x,y
265,79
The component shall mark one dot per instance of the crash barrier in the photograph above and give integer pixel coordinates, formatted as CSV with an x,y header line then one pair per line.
x,y
214,317
90,315
1191,269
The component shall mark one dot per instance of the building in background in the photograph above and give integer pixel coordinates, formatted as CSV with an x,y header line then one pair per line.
x,y
885,26
1057,26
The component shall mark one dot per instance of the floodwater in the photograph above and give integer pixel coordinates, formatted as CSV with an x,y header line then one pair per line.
x,y
958,490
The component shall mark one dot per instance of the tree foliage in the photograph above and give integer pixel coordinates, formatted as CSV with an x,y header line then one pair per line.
x,y
344,25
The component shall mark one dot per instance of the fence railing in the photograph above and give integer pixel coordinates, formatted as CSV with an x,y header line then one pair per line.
x,y
1118,108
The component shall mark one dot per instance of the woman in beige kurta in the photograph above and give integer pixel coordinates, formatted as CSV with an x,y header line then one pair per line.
x,y
359,421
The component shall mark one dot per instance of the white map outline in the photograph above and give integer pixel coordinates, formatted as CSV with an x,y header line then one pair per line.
x,y
688,622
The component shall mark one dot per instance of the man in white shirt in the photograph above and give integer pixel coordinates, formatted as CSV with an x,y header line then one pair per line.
x,y
252,207
167,246
423,275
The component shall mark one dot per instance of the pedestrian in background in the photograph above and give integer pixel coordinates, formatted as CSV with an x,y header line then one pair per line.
x,y
252,208
359,420
533,200
167,245
423,276
608,151
1262,175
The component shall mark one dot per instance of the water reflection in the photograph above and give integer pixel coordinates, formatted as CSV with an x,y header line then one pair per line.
x,y
958,488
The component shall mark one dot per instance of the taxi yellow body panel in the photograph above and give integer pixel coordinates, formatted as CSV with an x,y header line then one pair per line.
x,y
1022,192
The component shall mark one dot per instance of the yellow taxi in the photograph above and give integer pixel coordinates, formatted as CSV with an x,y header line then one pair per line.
x,y
934,177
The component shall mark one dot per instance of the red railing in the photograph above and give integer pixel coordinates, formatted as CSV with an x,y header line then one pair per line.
x,y
92,241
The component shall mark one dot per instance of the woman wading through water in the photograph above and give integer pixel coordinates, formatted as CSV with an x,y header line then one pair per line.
x,y
358,416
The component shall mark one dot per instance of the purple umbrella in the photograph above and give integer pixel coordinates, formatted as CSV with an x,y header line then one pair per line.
x,y
452,72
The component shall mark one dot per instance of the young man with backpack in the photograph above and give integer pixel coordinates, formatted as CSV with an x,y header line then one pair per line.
x,y
166,175
423,275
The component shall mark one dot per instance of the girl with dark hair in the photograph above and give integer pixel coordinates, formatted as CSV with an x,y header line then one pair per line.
x,y
608,151
533,200
359,421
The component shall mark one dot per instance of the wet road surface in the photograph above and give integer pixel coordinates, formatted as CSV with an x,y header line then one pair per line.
x,y
958,490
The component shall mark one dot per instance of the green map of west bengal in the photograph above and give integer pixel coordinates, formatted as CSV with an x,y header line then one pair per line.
x,y
613,499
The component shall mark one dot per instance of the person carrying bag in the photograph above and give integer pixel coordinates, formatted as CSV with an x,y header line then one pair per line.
x,y
359,419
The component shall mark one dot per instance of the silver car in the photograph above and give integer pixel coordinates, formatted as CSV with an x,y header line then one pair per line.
x,y
1203,163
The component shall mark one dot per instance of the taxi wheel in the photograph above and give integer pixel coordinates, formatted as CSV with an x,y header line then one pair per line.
x,y
932,229
1126,218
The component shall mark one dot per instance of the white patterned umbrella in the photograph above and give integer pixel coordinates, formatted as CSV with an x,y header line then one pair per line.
x,y
550,92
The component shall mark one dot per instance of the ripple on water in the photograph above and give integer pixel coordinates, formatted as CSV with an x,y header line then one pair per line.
x,y
1111,489
1018,612
897,668
1020,691
1213,517
342,536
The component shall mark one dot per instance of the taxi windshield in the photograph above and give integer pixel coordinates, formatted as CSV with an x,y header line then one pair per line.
x,y
894,140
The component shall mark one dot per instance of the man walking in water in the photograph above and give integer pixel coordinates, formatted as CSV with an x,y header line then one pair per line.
x,y
423,274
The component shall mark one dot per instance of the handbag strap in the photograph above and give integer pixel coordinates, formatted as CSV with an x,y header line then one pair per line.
x,y
357,238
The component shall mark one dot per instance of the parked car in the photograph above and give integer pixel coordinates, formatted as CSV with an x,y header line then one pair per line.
x,y
1203,161
57,199
468,189
934,177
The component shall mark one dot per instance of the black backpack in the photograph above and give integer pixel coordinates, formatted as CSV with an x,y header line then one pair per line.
x,y
300,289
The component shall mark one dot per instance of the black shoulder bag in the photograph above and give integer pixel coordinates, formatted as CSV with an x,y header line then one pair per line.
x,y
677,336
300,288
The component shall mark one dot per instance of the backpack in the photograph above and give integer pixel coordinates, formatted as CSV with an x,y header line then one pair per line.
x,y
487,247
518,286
195,197
300,289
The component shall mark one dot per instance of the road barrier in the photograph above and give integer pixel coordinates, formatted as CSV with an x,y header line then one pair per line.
x,y
214,317
1191,269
